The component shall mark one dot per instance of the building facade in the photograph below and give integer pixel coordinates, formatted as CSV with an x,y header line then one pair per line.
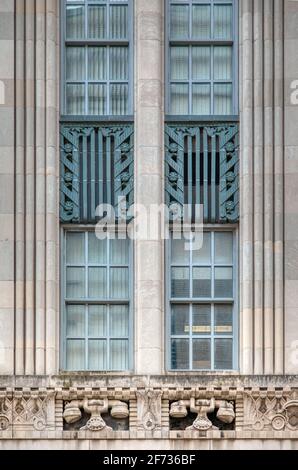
x,y
139,342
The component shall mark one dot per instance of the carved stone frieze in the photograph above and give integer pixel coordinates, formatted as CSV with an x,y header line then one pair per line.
x,y
149,409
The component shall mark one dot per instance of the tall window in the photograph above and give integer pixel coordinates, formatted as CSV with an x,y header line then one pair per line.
x,y
202,66
97,64
97,306
202,304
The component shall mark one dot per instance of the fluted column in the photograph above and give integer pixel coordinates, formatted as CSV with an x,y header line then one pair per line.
x,y
261,227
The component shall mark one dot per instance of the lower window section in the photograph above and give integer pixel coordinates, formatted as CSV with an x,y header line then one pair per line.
x,y
202,337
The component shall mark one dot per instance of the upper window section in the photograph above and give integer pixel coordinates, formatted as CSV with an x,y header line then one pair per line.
x,y
97,63
202,64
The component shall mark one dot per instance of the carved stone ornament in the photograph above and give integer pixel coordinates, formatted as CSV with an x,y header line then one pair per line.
x,y
95,407
149,409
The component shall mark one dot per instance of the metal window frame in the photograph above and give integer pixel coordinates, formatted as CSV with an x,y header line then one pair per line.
x,y
107,302
203,301
97,42
234,42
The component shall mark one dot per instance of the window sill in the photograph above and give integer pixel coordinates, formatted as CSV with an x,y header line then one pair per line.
x,y
192,118
96,119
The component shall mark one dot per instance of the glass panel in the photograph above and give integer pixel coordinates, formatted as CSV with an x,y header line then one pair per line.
x,y
201,350
75,321
75,63
179,99
97,283
201,99
223,99
201,62
75,249
97,99
75,354
179,254
97,63
223,21
97,22
179,21
97,325
223,319
223,248
223,283
203,255
75,21
97,357
75,99
180,282
119,250
119,63
180,320
119,320
118,22
223,354
118,354
119,283
223,63
179,63
75,283
201,282
119,99
97,249
201,323
201,21
180,354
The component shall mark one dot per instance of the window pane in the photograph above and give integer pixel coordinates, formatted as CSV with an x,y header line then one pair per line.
x,y
201,21
180,320
223,63
223,99
223,283
75,321
201,323
75,354
223,248
201,350
203,255
97,325
179,254
223,319
201,62
75,63
179,99
97,355
97,249
75,283
223,21
97,63
179,63
119,320
97,283
75,248
201,99
179,21
119,354
180,282
118,22
201,282
75,21
223,354
119,250
119,99
119,63
75,99
119,283
96,22
180,354
97,99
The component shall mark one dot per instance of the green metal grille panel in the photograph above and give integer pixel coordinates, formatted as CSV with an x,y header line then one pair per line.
x,y
96,167
202,167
